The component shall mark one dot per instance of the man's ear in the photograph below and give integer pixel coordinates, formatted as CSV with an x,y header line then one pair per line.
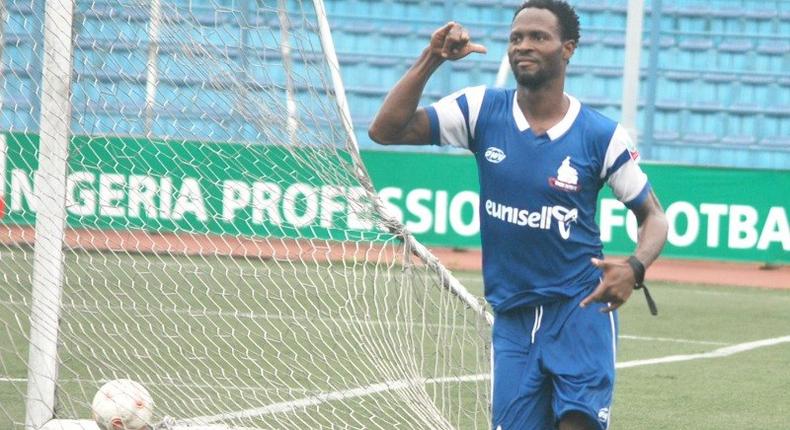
x,y
568,48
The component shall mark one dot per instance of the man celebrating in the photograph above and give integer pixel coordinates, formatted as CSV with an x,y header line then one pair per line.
x,y
542,157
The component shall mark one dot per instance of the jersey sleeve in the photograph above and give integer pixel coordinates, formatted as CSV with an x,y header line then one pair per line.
x,y
622,172
453,118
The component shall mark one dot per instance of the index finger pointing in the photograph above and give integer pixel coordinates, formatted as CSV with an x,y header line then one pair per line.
x,y
593,297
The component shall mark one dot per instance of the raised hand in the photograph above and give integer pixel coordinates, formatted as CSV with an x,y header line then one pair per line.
x,y
452,42
615,287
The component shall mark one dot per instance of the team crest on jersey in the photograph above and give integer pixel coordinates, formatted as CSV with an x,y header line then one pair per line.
x,y
567,178
494,155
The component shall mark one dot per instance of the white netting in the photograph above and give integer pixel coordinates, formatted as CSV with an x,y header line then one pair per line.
x,y
219,245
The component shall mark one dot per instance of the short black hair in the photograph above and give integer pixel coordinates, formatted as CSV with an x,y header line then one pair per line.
x,y
566,16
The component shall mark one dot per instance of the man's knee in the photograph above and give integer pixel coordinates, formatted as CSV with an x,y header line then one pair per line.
x,y
575,420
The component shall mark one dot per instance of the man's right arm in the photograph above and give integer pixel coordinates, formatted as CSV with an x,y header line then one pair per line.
x,y
399,120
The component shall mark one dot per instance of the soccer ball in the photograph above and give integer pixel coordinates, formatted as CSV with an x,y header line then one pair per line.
x,y
122,404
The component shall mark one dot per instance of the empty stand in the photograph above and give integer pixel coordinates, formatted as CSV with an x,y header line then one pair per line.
x,y
722,86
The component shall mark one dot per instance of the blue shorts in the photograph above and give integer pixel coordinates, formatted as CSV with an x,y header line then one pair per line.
x,y
550,360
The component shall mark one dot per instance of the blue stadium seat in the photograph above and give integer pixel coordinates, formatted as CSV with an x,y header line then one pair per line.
x,y
760,20
396,39
726,19
588,50
106,21
19,115
716,88
676,86
694,54
19,54
753,90
596,13
773,56
734,54
613,47
484,10
382,71
691,17
23,21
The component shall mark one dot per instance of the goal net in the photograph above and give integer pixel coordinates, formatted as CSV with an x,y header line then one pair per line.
x,y
183,205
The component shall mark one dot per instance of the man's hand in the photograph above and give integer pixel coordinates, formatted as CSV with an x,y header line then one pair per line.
x,y
452,42
615,287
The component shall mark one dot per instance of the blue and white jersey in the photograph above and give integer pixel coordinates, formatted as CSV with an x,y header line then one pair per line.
x,y
538,194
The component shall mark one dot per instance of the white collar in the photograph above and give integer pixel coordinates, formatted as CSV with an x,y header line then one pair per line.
x,y
559,128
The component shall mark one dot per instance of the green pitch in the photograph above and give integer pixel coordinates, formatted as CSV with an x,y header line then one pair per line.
x,y
705,374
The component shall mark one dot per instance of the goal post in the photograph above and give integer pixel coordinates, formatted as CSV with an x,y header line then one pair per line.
x,y
190,211
50,184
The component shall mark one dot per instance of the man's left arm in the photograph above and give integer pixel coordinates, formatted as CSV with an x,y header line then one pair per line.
x,y
621,276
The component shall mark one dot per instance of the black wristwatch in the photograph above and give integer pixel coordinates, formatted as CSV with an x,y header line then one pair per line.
x,y
639,282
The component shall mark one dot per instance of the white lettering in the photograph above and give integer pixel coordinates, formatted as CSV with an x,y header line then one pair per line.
x,y
330,206
190,199
692,227
235,196
166,198
609,218
775,229
142,192
359,209
422,212
456,213
441,212
85,205
742,229
293,195
111,194
22,188
265,198
386,195
714,212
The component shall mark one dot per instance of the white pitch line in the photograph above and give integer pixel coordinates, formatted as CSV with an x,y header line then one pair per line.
x,y
394,385
671,339
716,353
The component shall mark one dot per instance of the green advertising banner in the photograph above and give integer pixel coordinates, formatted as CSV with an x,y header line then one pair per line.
x,y
195,187
713,213
266,190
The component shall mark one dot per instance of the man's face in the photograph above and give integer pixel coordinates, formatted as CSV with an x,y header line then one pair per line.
x,y
536,51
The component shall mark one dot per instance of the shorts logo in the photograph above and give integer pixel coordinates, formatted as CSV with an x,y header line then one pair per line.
x,y
567,178
603,415
494,155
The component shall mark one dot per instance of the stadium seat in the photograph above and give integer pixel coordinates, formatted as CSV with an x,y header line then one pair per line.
x,y
734,54
773,56
741,141
612,50
694,53
760,20
396,38
754,89
676,85
593,13
692,17
485,10
713,88
726,19
381,71
588,50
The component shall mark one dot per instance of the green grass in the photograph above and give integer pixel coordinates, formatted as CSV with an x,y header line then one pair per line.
x,y
216,335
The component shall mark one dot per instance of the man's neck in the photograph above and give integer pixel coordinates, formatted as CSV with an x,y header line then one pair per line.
x,y
542,107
